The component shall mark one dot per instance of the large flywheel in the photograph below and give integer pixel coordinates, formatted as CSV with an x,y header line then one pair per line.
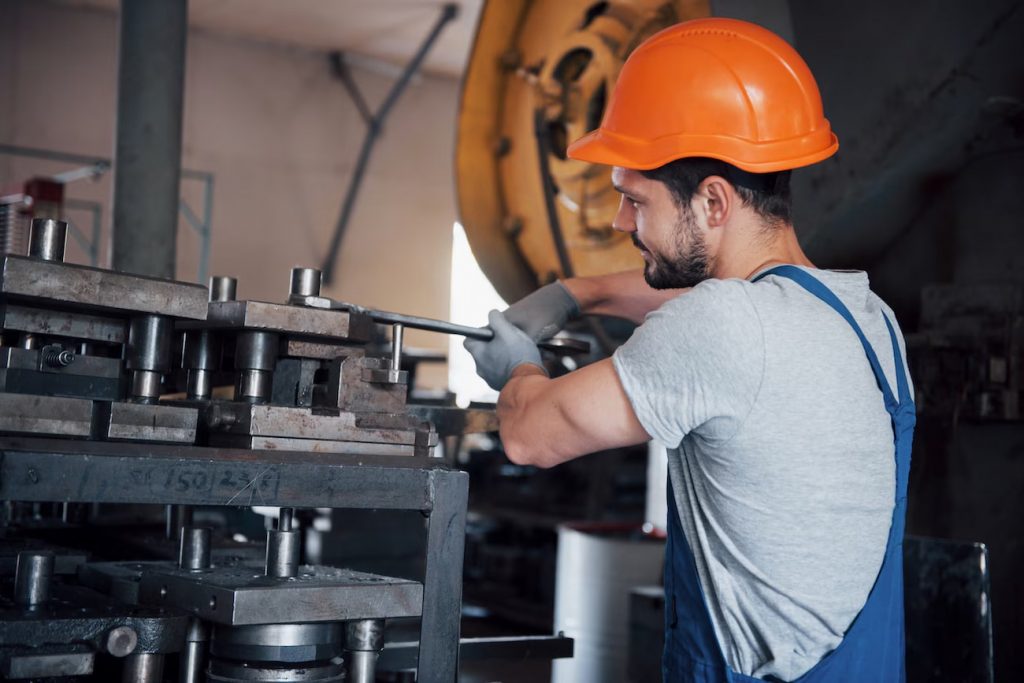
x,y
538,78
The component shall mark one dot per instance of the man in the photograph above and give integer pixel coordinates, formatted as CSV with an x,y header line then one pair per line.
x,y
780,389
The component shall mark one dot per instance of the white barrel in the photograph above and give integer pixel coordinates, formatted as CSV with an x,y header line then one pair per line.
x,y
598,564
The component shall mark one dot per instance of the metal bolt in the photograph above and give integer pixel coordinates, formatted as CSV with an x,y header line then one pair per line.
x,y
122,641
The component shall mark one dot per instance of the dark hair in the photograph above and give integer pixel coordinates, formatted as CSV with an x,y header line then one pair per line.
x,y
766,193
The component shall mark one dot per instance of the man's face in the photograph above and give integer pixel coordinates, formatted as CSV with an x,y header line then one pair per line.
x,y
667,235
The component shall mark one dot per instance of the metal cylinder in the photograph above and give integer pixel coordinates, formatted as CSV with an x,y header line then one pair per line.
x,y
32,578
223,288
363,641
285,516
147,153
284,643
146,386
283,553
194,551
255,358
305,282
256,351
143,668
193,657
47,239
28,341
122,641
397,336
200,385
254,386
200,356
149,343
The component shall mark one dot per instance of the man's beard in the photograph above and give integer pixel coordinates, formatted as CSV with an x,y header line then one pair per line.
x,y
687,267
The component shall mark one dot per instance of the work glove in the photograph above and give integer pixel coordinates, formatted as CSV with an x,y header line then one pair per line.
x,y
544,312
498,357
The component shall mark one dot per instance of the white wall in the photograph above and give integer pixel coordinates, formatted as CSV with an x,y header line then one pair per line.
x,y
281,136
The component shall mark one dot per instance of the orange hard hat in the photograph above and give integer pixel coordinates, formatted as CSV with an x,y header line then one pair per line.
x,y
719,88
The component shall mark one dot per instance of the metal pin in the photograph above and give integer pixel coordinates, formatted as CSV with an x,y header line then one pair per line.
x,y
397,333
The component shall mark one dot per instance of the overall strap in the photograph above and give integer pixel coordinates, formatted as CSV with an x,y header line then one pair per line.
x,y
819,290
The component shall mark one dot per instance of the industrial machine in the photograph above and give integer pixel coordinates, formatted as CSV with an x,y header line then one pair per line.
x,y
122,389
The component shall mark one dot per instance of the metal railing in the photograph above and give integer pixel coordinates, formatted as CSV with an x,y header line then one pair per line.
x,y
93,168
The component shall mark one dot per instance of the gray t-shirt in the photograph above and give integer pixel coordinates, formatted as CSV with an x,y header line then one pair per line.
x,y
781,456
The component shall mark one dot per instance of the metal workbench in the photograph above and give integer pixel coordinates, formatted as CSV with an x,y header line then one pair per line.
x,y
63,470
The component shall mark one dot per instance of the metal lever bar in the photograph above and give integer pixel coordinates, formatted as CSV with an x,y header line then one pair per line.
x,y
562,345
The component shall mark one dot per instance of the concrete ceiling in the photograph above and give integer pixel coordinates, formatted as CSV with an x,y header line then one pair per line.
x,y
386,30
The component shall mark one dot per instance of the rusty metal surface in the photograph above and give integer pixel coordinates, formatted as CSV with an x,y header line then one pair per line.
x,y
297,320
300,423
100,290
45,415
75,325
95,471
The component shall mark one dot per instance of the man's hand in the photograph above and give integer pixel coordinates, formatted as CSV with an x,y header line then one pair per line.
x,y
544,312
510,348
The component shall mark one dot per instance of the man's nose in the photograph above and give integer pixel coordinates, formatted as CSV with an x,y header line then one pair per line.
x,y
625,219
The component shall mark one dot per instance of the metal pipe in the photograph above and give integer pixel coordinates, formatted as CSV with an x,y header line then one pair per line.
x,y
47,239
143,668
375,126
147,153
32,578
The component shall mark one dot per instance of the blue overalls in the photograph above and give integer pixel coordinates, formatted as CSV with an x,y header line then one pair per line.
x,y
872,650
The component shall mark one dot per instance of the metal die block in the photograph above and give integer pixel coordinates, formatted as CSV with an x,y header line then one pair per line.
x,y
244,595
156,423
349,390
304,446
63,324
98,289
47,662
300,348
296,320
45,415
299,423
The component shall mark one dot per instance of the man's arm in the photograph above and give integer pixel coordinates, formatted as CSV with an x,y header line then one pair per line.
x,y
545,422
622,295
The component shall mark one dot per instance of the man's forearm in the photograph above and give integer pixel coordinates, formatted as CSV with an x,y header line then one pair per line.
x,y
622,295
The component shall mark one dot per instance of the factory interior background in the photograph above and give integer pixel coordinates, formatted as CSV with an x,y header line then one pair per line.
x,y
448,219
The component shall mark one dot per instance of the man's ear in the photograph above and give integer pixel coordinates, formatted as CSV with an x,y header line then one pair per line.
x,y
715,200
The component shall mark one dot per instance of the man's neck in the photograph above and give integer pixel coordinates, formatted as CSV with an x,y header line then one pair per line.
x,y
759,251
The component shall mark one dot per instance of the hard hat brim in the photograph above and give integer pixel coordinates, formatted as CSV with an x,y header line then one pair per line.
x,y
602,146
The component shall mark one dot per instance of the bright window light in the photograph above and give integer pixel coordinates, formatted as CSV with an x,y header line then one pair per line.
x,y
472,298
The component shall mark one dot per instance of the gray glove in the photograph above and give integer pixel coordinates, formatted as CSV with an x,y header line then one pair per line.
x,y
497,358
544,312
